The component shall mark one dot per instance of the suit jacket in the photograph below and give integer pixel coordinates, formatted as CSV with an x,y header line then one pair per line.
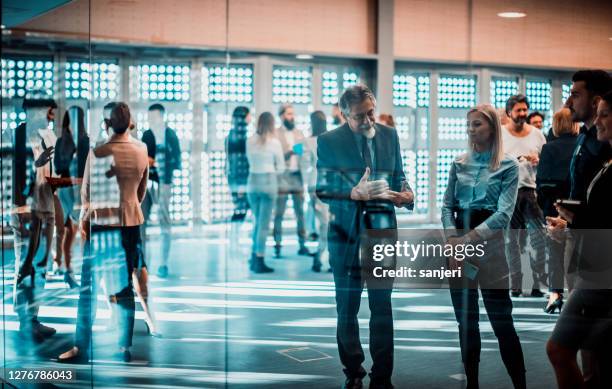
x,y
552,179
280,135
131,169
339,168
589,157
172,155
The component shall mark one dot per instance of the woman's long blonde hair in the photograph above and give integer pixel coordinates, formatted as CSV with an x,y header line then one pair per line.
x,y
497,149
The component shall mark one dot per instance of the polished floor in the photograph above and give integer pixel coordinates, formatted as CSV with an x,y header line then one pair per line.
x,y
225,327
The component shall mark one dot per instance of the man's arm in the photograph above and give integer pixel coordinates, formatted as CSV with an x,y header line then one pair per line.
x,y
329,180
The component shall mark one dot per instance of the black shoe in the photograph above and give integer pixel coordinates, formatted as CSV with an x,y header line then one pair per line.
x,y
260,266
44,330
381,384
353,383
536,293
316,263
162,272
277,251
125,355
516,292
556,305
303,251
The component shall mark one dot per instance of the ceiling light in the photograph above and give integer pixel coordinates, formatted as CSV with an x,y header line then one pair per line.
x,y
304,56
512,14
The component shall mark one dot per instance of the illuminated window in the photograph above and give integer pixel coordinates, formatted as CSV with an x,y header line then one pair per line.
x,y
219,198
410,90
565,92
452,128
20,76
170,82
501,89
539,95
106,80
445,159
456,91
291,84
416,165
221,83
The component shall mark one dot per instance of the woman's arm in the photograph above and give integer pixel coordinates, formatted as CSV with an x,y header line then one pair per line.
x,y
505,205
448,204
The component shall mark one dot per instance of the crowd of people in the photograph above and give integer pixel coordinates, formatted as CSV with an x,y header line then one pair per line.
x,y
543,196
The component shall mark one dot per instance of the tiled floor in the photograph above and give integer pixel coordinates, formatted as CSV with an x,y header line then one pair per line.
x,y
223,326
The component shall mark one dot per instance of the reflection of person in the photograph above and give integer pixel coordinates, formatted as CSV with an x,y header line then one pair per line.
x,y
130,158
164,153
344,154
291,181
586,321
524,142
30,187
66,166
478,204
131,170
552,180
337,118
386,119
237,163
316,207
266,161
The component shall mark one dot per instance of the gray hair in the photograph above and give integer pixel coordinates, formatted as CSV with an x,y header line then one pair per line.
x,y
354,95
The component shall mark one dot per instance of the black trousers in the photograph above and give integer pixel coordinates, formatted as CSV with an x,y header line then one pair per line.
x,y
132,245
349,286
493,278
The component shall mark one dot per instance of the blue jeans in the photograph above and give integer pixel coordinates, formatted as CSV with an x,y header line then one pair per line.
x,y
262,194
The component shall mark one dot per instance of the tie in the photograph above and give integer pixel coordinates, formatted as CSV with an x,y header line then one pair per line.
x,y
365,152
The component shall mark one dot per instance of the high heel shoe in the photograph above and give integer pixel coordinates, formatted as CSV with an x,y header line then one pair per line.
x,y
70,280
154,334
556,305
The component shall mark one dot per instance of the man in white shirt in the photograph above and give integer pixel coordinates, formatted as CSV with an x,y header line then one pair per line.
x,y
524,142
291,181
31,188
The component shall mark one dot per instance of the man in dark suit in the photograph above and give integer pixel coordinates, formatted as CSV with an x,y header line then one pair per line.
x,y
360,176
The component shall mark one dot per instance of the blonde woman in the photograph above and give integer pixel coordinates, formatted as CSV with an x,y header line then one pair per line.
x,y
478,204
266,161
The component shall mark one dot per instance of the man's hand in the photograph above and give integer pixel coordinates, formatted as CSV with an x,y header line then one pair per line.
x,y
555,226
151,162
44,157
370,190
565,213
401,198
534,159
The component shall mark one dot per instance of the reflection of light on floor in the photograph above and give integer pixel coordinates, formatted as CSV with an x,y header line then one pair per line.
x,y
262,342
483,311
257,290
61,328
47,312
415,325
